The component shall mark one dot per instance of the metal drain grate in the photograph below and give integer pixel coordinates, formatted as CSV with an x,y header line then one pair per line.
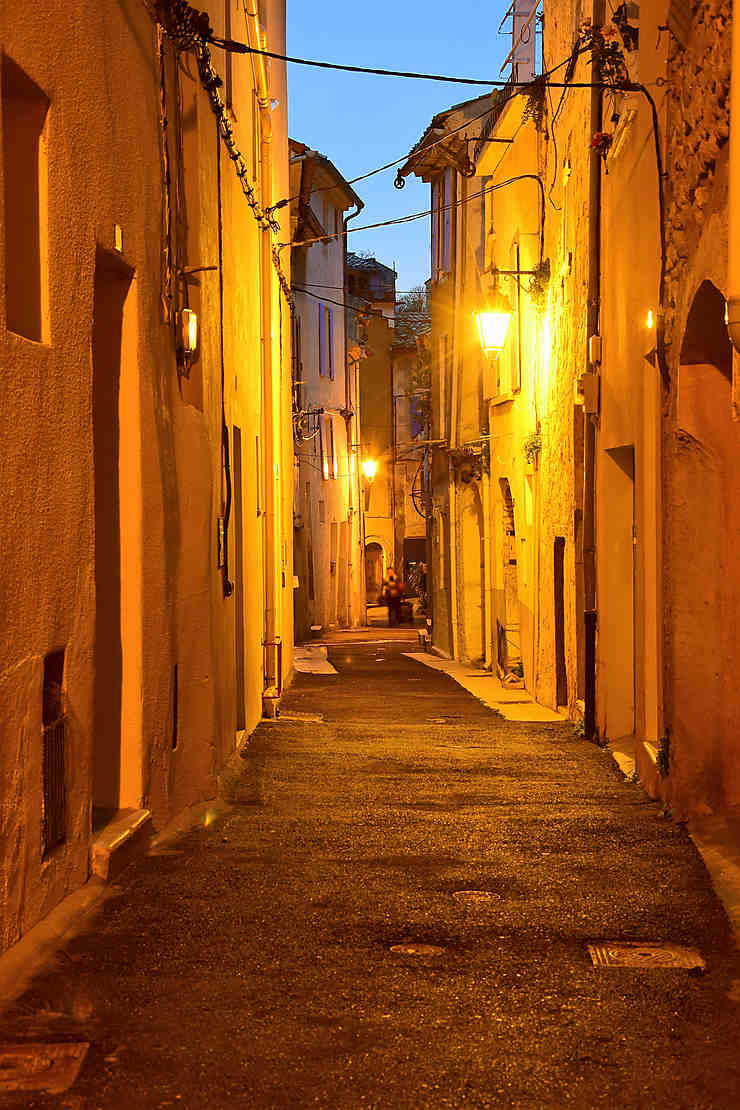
x,y
476,896
417,949
645,954
40,1067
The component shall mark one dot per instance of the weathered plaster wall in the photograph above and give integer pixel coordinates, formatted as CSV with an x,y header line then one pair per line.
x,y
104,164
702,706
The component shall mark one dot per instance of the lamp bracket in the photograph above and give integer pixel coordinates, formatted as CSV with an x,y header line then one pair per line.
x,y
480,139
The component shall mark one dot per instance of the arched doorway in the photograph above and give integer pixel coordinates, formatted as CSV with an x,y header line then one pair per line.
x,y
508,633
373,572
703,567
472,615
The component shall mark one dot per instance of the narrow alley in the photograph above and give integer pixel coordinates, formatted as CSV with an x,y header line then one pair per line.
x,y
257,959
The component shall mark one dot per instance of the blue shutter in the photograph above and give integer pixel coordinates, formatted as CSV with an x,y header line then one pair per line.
x,y
322,341
330,341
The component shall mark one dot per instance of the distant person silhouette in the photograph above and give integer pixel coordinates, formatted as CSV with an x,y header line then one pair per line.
x,y
392,595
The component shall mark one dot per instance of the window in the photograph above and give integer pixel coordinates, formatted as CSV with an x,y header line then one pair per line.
x,y
330,341
435,230
323,443
443,199
329,468
332,449
444,349
326,341
322,340
25,108
448,198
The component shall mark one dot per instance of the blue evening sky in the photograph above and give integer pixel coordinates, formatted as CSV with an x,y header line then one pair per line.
x,y
360,122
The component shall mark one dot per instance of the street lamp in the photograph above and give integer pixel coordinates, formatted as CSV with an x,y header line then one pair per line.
x,y
369,469
493,324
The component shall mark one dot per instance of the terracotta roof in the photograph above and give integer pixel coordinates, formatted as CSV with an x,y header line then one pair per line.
x,y
410,325
365,262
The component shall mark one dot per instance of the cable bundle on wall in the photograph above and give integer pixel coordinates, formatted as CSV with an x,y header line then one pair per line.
x,y
189,29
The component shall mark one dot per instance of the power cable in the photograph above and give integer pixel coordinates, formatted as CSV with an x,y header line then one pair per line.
x,y
390,165
242,48
340,304
428,146
419,215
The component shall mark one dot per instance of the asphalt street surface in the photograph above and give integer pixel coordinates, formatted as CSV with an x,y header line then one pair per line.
x,y
250,963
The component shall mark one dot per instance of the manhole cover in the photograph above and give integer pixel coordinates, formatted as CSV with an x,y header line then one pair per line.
x,y
417,949
476,896
633,953
40,1067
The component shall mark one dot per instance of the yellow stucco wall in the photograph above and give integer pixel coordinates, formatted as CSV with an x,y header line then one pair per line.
x,y
103,168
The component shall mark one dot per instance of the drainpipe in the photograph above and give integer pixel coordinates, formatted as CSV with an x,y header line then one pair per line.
x,y
455,615
733,250
270,376
487,569
589,430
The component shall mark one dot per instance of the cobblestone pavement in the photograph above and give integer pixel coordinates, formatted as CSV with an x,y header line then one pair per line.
x,y
251,964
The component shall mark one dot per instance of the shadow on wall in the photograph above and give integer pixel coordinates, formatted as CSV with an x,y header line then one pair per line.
x,y
703,564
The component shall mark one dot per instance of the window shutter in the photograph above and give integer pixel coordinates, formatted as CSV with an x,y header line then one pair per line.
x,y
322,341
447,223
332,448
324,446
435,219
330,341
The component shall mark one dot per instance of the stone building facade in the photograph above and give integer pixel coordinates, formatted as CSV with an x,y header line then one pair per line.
x,y
626,397
146,578
328,544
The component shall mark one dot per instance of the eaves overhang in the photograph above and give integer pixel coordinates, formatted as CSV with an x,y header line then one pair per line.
x,y
444,143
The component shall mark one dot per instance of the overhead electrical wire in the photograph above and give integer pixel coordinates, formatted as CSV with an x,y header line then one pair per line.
x,y
396,162
420,215
243,48
436,142
340,304
515,86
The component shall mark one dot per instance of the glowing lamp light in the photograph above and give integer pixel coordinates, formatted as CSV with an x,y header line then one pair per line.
x,y
650,319
369,469
493,324
188,331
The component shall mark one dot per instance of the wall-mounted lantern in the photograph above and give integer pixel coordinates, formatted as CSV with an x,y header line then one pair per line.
x,y
369,469
493,324
188,333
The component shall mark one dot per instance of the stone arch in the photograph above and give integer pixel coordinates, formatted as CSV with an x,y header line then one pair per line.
x,y
375,565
